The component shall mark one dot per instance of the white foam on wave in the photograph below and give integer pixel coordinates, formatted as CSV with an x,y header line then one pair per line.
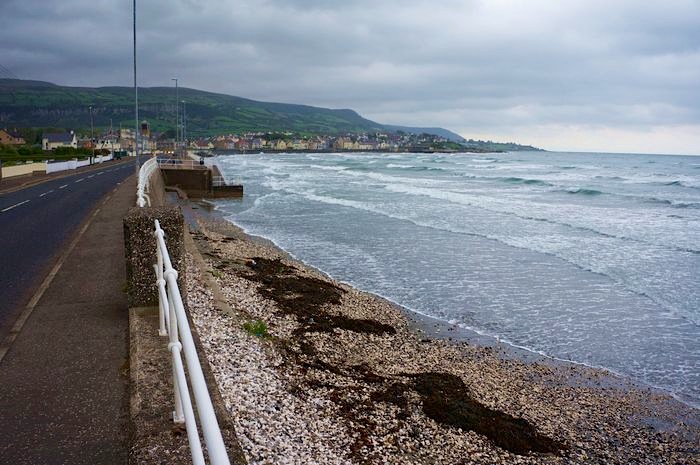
x,y
587,253
461,214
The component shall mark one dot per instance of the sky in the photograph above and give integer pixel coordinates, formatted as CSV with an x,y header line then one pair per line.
x,y
577,75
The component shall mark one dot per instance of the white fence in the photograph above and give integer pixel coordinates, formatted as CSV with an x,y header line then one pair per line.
x,y
53,167
173,323
145,173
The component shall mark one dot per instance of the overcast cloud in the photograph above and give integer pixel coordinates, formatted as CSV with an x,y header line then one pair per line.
x,y
570,75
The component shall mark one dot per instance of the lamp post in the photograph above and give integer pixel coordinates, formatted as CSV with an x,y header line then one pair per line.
x,y
92,137
177,115
184,124
136,103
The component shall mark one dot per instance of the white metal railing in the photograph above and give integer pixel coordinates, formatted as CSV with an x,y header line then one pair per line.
x,y
180,163
218,181
173,323
145,173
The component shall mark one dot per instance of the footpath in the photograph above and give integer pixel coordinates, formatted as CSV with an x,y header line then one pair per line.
x,y
64,394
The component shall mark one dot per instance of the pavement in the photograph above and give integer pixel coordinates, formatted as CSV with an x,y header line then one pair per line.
x,y
64,392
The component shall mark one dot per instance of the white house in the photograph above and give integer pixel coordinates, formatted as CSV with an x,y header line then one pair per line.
x,y
53,140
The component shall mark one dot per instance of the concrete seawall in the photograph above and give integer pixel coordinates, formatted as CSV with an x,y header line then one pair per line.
x,y
155,438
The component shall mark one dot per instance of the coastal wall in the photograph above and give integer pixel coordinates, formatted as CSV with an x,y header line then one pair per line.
x,y
22,170
156,189
140,250
53,167
195,182
140,243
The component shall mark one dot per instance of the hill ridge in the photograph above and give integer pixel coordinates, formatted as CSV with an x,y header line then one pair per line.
x,y
30,103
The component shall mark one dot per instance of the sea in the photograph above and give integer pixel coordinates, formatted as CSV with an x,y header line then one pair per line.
x,y
586,257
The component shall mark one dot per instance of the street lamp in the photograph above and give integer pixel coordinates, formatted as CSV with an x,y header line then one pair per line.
x,y
177,115
136,103
184,123
92,137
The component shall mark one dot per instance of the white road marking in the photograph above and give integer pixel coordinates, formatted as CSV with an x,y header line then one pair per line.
x,y
81,179
100,173
13,206
91,176
65,185
41,195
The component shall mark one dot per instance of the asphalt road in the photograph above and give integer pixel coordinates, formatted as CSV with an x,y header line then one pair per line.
x,y
37,222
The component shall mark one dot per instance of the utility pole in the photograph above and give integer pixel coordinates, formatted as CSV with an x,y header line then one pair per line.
x,y
184,123
92,137
136,103
177,115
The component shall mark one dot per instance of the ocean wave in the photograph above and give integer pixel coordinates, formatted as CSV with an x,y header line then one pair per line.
x,y
469,200
516,180
505,240
682,184
610,178
583,191
412,183
412,168
672,203
689,183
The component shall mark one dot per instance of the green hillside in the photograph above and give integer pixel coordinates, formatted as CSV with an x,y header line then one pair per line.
x,y
42,104
37,104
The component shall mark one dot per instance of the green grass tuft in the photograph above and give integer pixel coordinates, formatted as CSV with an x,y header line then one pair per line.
x,y
256,328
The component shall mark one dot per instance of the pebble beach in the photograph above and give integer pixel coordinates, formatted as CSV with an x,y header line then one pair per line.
x,y
314,371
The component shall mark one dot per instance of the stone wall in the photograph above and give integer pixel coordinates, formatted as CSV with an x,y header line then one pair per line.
x,y
140,249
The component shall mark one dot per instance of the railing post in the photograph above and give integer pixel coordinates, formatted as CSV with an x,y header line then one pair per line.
x,y
178,416
162,331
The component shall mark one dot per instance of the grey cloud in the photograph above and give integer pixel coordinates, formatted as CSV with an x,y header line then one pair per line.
x,y
487,63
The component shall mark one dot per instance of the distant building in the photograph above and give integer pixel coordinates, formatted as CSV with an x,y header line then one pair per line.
x,y
201,144
224,144
10,138
53,140
104,142
145,129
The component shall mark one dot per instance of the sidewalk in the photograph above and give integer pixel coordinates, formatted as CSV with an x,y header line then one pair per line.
x,y
64,393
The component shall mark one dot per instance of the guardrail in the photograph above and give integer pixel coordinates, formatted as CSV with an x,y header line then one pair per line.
x,y
179,163
145,173
173,323
218,181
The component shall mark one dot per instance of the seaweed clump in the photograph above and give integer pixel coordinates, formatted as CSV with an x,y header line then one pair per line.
x,y
446,400
305,296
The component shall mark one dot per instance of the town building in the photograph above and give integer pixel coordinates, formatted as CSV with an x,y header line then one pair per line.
x,y
10,138
53,140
